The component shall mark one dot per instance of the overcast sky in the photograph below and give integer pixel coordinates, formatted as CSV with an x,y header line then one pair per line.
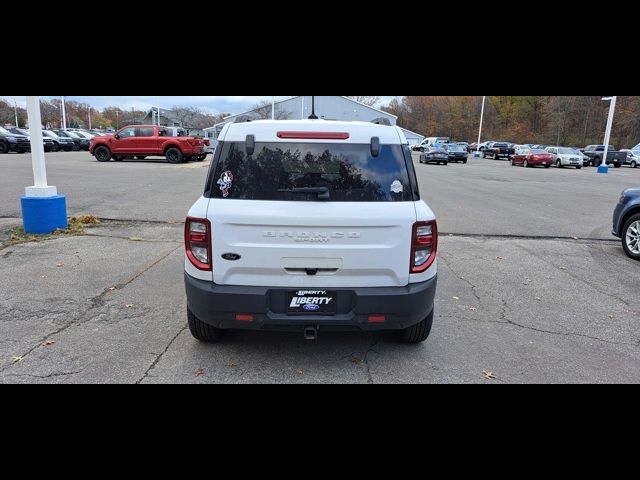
x,y
210,104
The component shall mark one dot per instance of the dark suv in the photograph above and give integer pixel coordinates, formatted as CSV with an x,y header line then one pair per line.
x,y
47,142
79,143
10,142
626,222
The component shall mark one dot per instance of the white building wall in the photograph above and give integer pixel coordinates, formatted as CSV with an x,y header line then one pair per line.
x,y
327,107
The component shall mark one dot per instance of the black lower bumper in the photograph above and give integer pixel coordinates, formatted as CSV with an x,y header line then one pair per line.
x,y
218,305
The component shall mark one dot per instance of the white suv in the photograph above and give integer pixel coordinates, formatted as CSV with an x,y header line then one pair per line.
x,y
308,225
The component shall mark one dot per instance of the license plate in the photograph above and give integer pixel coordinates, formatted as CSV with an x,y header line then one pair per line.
x,y
311,302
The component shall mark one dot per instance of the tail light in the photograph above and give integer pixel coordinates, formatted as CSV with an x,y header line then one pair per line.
x,y
197,242
424,245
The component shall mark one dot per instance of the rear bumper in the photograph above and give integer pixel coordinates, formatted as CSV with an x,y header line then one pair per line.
x,y
217,305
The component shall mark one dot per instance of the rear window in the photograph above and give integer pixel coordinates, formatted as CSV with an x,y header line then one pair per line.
x,y
280,171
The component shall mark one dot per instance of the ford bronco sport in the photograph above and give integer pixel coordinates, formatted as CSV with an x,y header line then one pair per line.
x,y
311,225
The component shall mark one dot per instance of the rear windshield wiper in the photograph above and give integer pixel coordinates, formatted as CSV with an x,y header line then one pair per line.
x,y
323,192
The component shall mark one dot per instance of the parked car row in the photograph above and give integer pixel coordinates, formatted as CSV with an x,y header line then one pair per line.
x,y
14,139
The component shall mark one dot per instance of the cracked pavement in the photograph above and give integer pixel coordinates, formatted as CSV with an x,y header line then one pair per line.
x,y
528,310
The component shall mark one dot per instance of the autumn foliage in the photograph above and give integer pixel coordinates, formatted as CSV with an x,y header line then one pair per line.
x,y
551,120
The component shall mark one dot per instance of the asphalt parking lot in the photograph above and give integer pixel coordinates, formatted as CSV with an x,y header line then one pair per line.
x,y
532,287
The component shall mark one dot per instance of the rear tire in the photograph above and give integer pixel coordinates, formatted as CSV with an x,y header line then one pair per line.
x,y
55,147
578,168
616,165
496,156
76,147
558,164
4,148
203,331
525,164
634,164
102,154
174,155
419,332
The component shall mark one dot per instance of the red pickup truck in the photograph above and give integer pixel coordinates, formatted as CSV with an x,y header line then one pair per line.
x,y
143,141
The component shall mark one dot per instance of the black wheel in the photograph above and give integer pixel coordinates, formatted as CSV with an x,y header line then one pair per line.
x,y
547,166
496,156
484,155
75,147
445,163
419,332
141,157
102,154
578,168
464,161
558,163
616,165
203,331
631,237
201,158
596,162
634,164
174,155
4,148
55,147
21,151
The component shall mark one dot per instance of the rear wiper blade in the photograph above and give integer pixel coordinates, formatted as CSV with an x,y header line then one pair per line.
x,y
323,192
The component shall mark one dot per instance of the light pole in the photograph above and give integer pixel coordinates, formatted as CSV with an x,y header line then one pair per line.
x,y
480,131
273,108
604,168
64,116
89,117
43,210
15,110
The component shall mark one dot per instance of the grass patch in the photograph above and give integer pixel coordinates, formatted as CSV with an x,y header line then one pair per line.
x,y
76,228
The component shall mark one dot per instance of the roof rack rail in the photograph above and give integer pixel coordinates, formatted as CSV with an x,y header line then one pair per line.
x,y
242,119
381,121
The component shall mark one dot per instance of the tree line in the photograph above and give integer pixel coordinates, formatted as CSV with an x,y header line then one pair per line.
x,y
77,114
568,121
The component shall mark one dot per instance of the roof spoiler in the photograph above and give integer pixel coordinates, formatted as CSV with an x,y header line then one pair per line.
x,y
382,121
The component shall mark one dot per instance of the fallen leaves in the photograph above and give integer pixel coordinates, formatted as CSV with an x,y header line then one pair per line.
x,y
356,360
488,375
48,343
199,372
563,268
59,264
537,299
473,309
232,365
136,239
456,298
499,258
300,371
17,359
111,289
129,305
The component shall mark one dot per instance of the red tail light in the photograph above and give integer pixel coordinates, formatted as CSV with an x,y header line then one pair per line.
x,y
197,242
424,245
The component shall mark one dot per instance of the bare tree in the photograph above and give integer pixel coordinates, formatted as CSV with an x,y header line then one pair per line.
x,y
371,101
262,111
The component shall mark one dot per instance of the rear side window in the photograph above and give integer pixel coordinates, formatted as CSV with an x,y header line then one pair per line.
x,y
280,171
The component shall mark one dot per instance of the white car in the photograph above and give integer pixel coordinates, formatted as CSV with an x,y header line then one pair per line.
x,y
311,225
566,157
633,157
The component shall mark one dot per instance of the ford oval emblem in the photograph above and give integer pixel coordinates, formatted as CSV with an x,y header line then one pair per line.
x,y
231,256
309,307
